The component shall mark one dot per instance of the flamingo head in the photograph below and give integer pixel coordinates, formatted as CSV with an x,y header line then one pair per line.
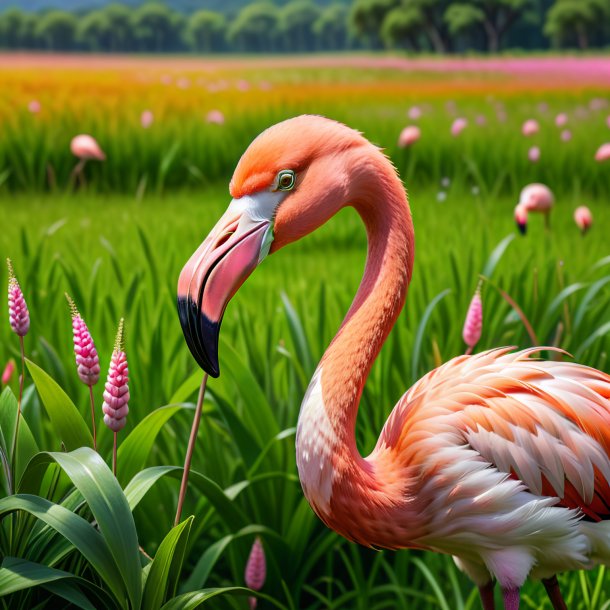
x,y
521,218
292,178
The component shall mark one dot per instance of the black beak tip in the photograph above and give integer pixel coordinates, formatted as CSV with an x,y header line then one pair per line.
x,y
522,228
201,335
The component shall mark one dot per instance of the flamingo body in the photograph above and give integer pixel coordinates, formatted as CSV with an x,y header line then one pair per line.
x,y
583,218
537,198
498,459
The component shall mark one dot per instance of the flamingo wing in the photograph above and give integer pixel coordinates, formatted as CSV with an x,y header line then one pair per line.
x,y
543,423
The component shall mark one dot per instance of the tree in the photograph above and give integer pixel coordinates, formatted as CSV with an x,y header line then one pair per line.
x,y
402,27
432,13
331,27
463,19
205,31
255,27
120,30
156,27
93,31
57,30
366,18
11,28
296,21
575,19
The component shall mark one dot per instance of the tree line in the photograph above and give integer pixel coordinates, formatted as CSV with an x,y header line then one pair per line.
x,y
301,25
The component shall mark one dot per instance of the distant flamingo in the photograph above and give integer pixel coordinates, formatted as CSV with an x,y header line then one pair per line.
x,y
498,459
583,218
408,136
534,198
603,153
85,148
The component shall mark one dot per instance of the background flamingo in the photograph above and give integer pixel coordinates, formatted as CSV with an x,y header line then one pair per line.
x,y
583,218
498,459
534,198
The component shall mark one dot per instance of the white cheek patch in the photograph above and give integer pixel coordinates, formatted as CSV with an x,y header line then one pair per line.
x,y
259,206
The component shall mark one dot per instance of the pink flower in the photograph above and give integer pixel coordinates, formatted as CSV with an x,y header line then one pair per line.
x,y
561,119
481,120
86,147
256,570
458,126
265,85
473,324
243,85
566,135
533,154
116,392
9,369
183,83
18,314
146,119
603,153
583,218
408,136
87,360
34,106
215,117
530,127
414,113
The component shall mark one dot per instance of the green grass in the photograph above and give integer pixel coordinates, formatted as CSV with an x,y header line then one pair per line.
x,y
118,256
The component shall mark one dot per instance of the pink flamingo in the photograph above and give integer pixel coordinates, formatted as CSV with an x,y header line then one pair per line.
x,y
583,218
85,148
537,198
408,136
603,153
499,459
530,127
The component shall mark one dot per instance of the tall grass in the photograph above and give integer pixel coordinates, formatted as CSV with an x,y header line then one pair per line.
x,y
119,256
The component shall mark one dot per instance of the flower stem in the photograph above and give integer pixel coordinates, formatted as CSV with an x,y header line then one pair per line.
x,y
21,381
93,416
189,451
114,455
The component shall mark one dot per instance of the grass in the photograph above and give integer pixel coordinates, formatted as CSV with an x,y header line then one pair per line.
x,y
118,244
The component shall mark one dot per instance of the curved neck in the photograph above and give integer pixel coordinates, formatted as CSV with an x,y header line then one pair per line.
x,y
326,447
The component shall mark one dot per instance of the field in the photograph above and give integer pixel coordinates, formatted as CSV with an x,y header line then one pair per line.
x,y
117,237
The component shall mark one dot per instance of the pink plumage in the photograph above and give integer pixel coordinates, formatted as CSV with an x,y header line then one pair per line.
x,y
116,392
256,569
530,127
87,359
19,316
583,218
408,136
473,324
533,154
603,153
85,147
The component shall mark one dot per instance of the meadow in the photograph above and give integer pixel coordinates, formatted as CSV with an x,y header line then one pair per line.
x,y
117,240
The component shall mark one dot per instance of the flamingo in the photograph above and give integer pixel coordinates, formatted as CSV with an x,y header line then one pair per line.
x,y
499,459
537,198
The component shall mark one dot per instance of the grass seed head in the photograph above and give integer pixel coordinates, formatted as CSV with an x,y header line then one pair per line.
x,y
19,316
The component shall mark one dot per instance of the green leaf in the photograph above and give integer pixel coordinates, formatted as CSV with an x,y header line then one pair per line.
x,y
102,492
194,599
144,480
298,335
18,574
162,580
75,529
496,255
64,416
188,388
136,448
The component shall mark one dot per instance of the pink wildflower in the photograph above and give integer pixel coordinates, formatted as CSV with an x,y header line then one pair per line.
x,y
530,127
414,113
603,153
561,119
458,126
474,322
87,360
116,393
146,119
9,369
19,316
256,570
408,136
566,135
216,117
533,154
34,106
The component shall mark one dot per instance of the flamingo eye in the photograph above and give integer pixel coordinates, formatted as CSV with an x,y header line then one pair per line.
x,y
285,180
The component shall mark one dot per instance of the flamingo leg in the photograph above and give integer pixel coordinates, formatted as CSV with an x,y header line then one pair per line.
x,y
552,588
511,599
486,592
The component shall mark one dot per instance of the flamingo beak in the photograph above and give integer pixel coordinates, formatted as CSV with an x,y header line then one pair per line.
x,y
214,273
522,226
